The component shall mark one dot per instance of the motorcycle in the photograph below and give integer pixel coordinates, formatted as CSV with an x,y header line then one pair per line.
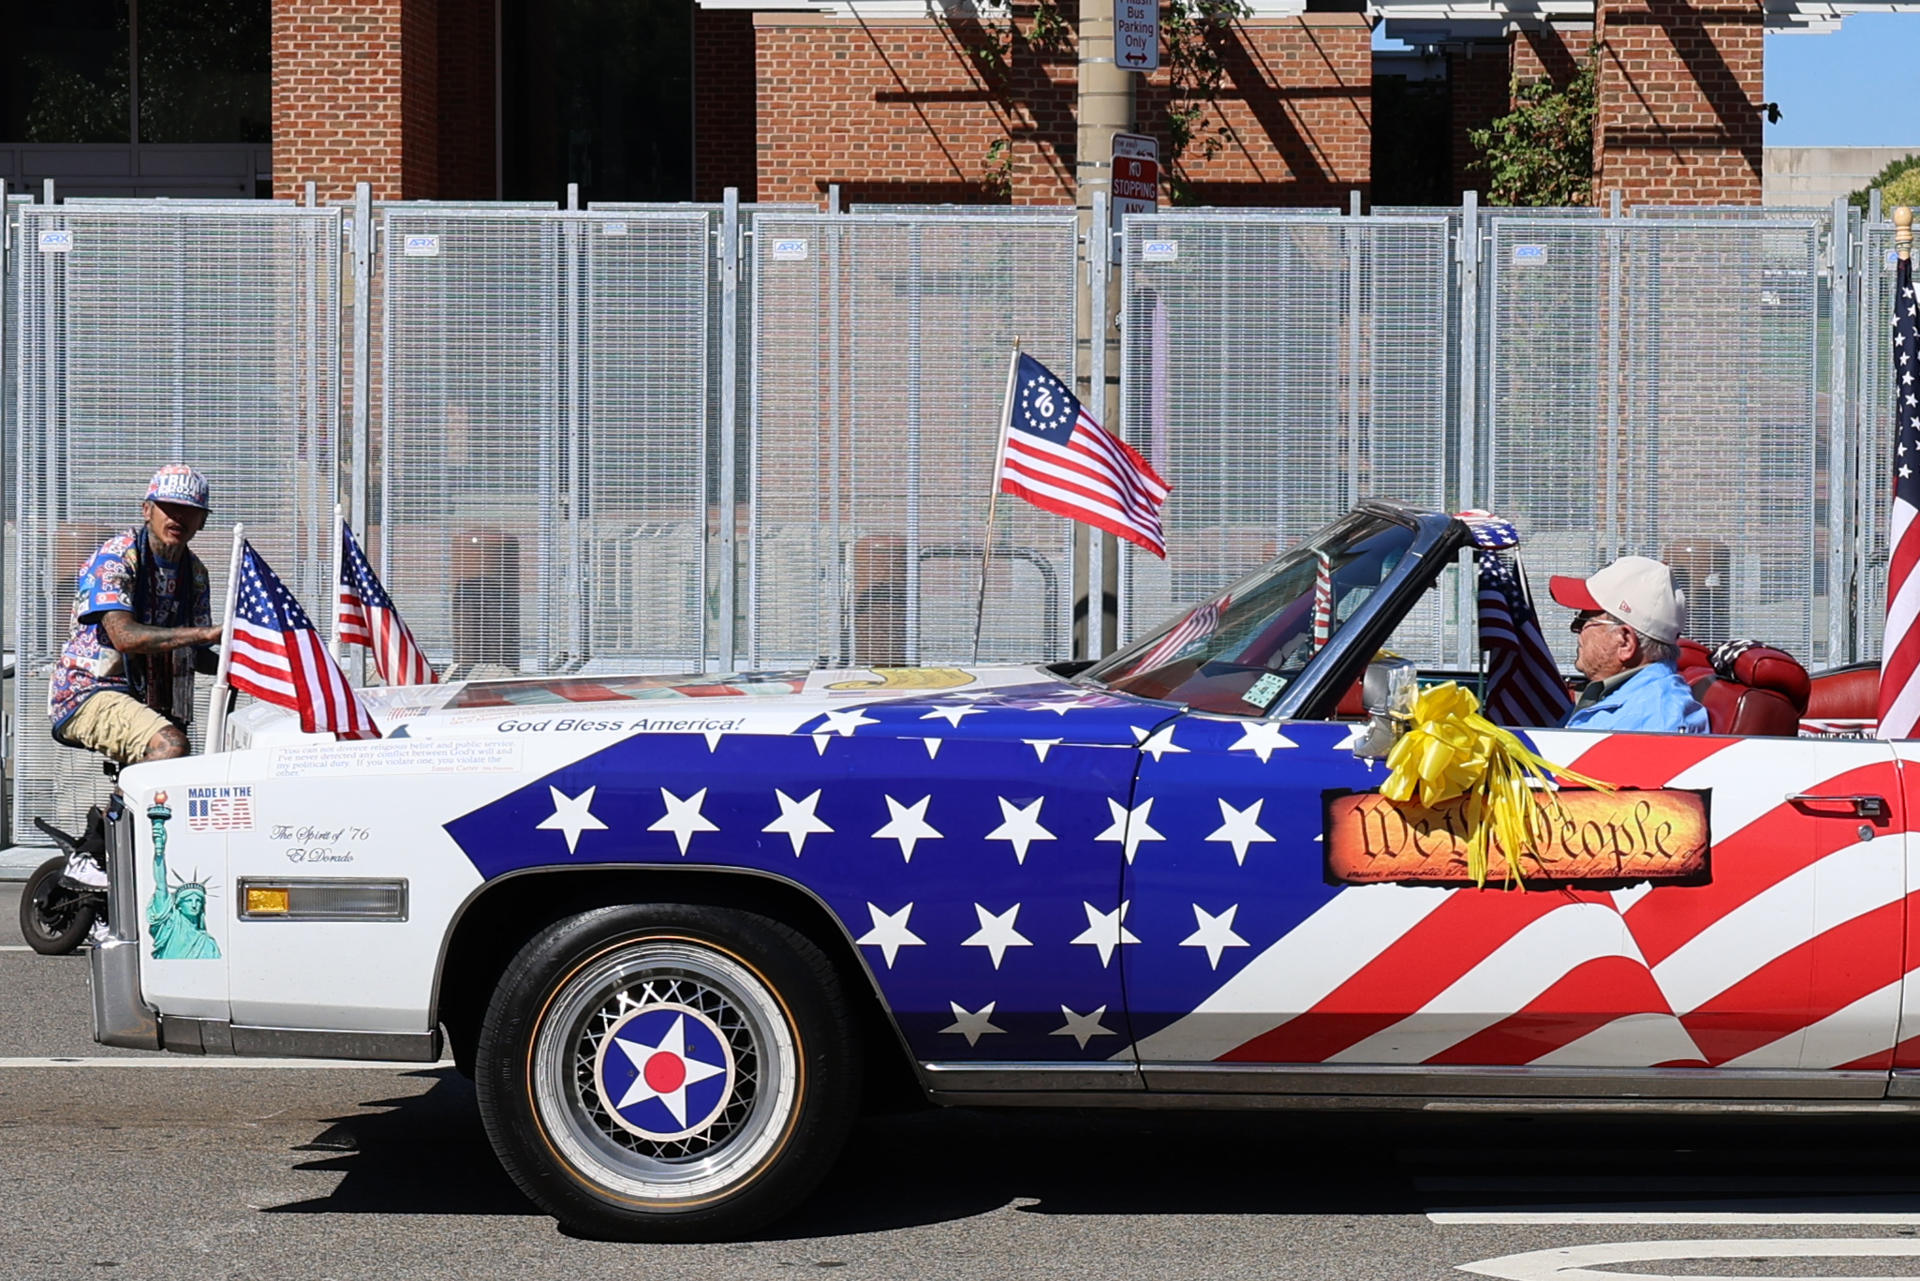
x,y
67,894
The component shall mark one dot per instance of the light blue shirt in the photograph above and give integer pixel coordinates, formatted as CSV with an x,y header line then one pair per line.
x,y
1653,699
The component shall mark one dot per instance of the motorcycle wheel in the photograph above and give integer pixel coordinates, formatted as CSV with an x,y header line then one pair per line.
x,y
53,917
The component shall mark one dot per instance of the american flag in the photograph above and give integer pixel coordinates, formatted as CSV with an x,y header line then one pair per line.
x,y
1900,649
1197,625
1322,601
1523,682
278,657
368,617
1057,458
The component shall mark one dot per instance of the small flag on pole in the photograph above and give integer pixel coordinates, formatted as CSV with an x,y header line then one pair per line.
x,y
1900,647
1523,682
368,617
278,657
1056,457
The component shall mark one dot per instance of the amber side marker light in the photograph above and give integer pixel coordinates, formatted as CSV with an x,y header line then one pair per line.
x,y
322,899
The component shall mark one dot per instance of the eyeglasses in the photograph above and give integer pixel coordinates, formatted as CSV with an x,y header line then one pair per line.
x,y
1585,620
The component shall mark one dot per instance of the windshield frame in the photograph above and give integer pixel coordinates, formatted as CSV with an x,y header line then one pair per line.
x,y
1314,692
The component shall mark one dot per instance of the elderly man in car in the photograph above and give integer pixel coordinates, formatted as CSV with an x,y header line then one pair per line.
x,y
1629,617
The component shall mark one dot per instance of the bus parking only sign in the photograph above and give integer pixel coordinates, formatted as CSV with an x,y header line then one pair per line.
x,y
1136,34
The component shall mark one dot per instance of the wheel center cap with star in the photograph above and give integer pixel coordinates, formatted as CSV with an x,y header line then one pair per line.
x,y
664,1072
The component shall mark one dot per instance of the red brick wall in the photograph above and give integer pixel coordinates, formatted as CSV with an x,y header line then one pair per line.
x,y
394,93
1477,96
1550,53
1678,94
723,103
899,111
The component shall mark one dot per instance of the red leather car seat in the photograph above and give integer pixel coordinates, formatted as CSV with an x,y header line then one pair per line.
x,y
1766,696
1846,693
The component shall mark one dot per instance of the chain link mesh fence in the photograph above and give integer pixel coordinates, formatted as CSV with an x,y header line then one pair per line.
x,y
1642,371
880,350
1275,369
150,333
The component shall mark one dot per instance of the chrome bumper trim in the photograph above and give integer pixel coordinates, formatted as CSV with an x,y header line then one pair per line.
x,y
121,1016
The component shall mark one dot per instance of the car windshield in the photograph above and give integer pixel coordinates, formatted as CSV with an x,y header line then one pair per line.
x,y
1236,652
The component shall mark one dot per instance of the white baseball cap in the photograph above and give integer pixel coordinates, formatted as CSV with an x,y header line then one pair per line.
x,y
1637,591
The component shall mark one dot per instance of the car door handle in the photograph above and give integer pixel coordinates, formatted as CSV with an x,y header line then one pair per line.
x,y
1861,806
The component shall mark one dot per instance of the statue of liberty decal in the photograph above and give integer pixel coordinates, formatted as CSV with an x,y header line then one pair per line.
x,y
176,917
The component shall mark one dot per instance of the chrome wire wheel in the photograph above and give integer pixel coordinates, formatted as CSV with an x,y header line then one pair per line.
x,y
665,1071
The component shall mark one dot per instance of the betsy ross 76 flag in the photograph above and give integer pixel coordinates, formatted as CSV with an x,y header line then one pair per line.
x,y
279,658
1056,457
1900,650
368,617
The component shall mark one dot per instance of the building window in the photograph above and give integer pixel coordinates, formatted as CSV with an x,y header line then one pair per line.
x,y
598,92
205,71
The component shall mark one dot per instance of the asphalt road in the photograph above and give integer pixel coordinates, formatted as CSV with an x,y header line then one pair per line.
x,y
116,1164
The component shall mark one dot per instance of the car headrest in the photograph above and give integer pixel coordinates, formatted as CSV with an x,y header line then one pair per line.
x,y
1765,667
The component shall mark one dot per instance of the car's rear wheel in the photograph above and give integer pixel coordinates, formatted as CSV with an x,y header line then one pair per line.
x,y
667,1072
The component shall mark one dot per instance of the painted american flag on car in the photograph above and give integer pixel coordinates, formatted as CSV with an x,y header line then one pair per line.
x,y
1052,873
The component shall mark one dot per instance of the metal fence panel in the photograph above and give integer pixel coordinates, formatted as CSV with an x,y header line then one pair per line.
x,y
1275,369
160,332
543,488
880,349
1872,480
1641,370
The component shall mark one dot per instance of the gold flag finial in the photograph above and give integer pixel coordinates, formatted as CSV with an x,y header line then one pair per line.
x,y
1903,231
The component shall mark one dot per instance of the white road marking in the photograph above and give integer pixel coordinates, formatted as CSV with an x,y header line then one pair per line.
x,y
1672,1218
1571,1263
218,1061
15,947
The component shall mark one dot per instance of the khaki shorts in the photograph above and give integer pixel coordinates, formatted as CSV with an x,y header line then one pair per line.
x,y
115,725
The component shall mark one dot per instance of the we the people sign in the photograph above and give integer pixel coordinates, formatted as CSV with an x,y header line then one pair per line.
x,y
1583,837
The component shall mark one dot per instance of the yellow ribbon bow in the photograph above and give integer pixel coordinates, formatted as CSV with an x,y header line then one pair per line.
x,y
1453,751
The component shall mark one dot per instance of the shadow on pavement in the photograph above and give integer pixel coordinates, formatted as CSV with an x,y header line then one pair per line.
x,y
428,1154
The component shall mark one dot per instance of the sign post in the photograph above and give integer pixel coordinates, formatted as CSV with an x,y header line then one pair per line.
x,y
1136,28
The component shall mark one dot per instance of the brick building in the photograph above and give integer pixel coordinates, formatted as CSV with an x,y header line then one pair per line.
x,y
892,100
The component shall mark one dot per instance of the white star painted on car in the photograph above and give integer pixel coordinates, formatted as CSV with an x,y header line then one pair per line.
x,y
797,820
933,746
1106,930
1041,746
713,737
675,1044
570,816
1059,706
1215,933
1262,738
996,933
1020,825
908,825
820,742
1355,736
952,713
1083,1027
972,1025
846,721
1130,825
1241,828
890,932
1158,745
683,817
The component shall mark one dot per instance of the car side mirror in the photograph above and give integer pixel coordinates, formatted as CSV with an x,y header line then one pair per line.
x,y
1387,692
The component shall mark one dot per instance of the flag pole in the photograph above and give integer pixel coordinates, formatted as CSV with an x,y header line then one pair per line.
x,y
217,732
339,554
993,498
1903,231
